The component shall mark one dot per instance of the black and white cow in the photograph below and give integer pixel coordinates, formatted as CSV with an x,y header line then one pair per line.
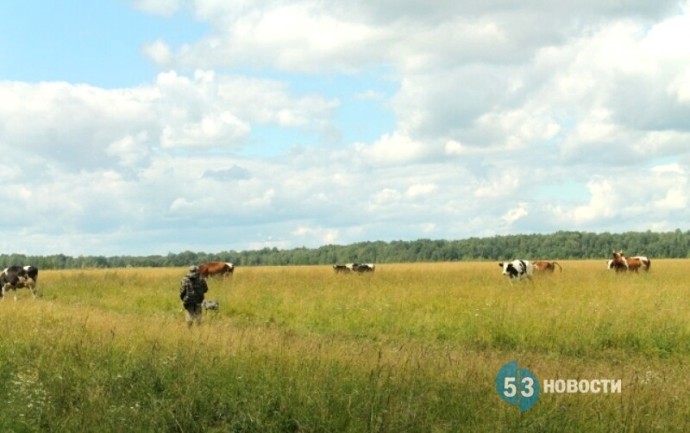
x,y
517,269
341,268
363,267
16,277
354,267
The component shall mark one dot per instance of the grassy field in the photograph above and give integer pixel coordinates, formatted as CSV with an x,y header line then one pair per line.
x,y
410,348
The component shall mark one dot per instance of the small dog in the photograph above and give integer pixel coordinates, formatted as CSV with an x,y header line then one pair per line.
x,y
210,305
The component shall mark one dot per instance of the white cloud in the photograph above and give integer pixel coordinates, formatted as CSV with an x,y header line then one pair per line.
x,y
298,37
420,190
262,201
130,150
485,105
317,235
159,51
680,87
666,39
385,197
516,213
392,149
650,197
211,130
499,185
605,203
520,128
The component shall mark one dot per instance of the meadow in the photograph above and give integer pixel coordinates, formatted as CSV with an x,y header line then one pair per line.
x,y
409,348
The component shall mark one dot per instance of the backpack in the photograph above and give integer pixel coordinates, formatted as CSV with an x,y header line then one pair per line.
x,y
190,294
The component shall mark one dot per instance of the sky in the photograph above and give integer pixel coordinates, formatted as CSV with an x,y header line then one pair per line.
x,y
137,127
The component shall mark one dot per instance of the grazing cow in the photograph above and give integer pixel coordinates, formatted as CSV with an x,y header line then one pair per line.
x,y
341,268
362,267
620,263
16,277
517,269
213,269
32,272
546,266
210,305
645,262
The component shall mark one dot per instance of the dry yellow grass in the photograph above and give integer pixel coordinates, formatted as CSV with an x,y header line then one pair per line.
x,y
412,347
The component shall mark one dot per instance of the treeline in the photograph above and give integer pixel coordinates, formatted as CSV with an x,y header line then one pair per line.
x,y
559,245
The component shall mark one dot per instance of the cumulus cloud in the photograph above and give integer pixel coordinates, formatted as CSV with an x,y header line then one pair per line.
x,y
392,149
159,51
317,235
238,139
514,214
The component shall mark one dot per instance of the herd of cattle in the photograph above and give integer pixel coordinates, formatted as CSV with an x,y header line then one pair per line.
x,y
354,267
521,269
16,277
620,263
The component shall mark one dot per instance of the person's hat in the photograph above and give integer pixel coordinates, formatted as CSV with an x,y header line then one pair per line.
x,y
193,268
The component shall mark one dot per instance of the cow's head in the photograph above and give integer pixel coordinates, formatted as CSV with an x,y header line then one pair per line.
x,y
618,261
508,269
618,255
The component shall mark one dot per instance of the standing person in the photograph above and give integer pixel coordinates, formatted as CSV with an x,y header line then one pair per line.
x,y
192,290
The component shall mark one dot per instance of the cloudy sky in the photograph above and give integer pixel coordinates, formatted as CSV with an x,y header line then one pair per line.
x,y
155,126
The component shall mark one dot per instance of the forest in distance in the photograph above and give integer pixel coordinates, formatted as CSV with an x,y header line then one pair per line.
x,y
560,245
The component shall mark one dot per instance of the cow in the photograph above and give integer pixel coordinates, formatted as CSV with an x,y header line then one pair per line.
x,y
362,267
645,262
517,269
341,268
210,305
16,277
213,269
546,266
620,263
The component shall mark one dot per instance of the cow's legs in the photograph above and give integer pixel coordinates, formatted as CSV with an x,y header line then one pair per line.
x,y
31,285
4,291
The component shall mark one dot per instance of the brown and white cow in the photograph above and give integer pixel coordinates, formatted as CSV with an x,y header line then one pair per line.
x,y
620,263
645,262
216,269
546,266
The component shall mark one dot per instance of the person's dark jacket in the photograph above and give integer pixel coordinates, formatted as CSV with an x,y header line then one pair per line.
x,y
192,289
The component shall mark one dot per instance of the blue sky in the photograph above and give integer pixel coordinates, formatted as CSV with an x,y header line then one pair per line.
x,y
156,126
98,43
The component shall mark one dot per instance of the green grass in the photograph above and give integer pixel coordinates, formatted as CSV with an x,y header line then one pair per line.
x,y
409,348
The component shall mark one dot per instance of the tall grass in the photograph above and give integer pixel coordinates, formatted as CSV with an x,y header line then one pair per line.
x,y
408,348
